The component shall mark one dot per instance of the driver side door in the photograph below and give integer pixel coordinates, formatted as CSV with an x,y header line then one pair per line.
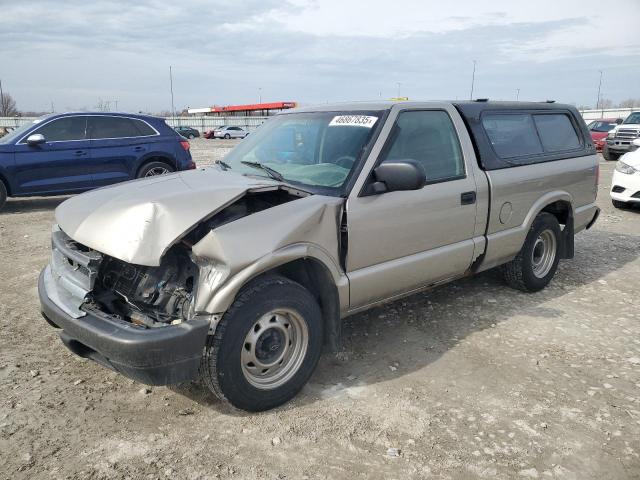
x,y
60,164
400,241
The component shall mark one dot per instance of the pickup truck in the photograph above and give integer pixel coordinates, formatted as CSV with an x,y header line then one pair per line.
x,y
620,139
239,274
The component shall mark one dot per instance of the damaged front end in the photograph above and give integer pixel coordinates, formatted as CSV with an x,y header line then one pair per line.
x,y
145,321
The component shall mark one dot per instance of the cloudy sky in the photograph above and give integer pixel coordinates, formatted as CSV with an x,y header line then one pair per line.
x,y
76,52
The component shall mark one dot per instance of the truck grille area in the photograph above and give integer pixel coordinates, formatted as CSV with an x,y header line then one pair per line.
x,y
72,272
627,133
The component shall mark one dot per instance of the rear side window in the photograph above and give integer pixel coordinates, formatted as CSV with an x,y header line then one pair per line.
x,y
117,127
556,132
64,129
143,127
512,135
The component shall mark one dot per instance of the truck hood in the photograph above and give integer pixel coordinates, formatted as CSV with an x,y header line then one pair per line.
x,y
138,221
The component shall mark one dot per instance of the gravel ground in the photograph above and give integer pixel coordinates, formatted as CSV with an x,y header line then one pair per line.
x,y
471,380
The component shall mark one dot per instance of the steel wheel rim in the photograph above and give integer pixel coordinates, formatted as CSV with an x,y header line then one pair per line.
x,y
544,253
274,348
155,171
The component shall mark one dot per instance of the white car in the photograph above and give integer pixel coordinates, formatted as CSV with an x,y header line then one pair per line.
x,y
625,186
229,132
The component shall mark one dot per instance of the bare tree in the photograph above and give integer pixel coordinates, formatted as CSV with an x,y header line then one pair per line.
x,y
630,103
7,106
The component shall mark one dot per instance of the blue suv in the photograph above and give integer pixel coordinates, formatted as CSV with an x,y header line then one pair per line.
x,y
75,152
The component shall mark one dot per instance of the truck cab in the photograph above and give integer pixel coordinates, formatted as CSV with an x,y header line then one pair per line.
x,y
620,139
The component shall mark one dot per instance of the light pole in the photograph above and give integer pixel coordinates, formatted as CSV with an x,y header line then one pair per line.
x,y
399,89
173,108
517,94
473,79
259,94
599,102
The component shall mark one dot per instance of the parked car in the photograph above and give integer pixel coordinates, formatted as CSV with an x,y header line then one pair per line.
x,y
208,134
229,132
625,185
599,130
187,132
75,152
242,272
619,140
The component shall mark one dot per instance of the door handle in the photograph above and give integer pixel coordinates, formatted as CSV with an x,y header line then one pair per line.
x,y
139,149
80,153
467,198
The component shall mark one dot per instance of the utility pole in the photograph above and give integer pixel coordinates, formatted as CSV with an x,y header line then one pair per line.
x,y
259,94
599,102
517,94
473,79
173,108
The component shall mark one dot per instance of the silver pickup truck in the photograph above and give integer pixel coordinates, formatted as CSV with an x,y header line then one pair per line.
x,y
240,274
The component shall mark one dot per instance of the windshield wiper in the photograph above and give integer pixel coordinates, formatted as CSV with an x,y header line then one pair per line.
x,y
270,171
223,164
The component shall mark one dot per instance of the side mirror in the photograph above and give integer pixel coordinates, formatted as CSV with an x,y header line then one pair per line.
x,y
35,139
398,175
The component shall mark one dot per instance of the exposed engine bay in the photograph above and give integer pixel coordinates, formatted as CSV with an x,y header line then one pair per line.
x,y
149,296
159,296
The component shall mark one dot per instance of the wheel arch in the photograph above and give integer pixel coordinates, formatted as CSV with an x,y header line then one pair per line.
x,y
155,157
6,183
308,265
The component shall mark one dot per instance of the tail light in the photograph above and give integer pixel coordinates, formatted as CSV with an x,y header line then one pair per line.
x,y
185,145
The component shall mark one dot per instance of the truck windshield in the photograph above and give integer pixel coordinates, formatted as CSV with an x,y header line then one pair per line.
x,y
633,118
319,149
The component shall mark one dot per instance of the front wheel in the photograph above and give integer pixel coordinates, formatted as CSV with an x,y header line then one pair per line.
x,y
536,263
609,155
266,346
3,194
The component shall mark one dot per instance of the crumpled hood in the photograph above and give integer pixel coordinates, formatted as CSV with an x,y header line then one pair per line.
x,y
138,221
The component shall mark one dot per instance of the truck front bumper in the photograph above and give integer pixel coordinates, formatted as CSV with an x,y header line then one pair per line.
x,y
154,356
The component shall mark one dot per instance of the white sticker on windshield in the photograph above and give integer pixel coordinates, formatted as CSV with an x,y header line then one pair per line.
x,y
353,121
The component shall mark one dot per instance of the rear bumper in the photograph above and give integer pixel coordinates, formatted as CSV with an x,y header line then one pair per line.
x,y
159,356
585,217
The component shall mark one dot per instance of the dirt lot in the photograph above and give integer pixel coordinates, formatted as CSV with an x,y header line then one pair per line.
x,y
472,380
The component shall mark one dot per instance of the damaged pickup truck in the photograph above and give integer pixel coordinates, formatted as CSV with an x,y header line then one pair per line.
x,y
240,274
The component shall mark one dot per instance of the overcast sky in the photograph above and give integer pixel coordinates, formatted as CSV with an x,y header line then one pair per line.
x,y
75,52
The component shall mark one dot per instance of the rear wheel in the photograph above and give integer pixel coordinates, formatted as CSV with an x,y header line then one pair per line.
x,y
619,204
266,346
3,194
536,263
227,136
153,169
609,155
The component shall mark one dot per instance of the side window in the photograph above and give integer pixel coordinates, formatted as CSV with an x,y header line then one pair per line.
x,y
512,135
64,129
111,127
556,132
429,138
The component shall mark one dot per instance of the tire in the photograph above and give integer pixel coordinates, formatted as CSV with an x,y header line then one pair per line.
x,y
228,368
537,262
616,204
153,169
608,155
227,136
3,194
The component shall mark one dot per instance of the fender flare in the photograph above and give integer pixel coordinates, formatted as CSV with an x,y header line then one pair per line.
x,y
224,296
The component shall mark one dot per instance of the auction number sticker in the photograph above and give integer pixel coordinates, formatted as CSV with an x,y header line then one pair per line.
x,y
353,121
